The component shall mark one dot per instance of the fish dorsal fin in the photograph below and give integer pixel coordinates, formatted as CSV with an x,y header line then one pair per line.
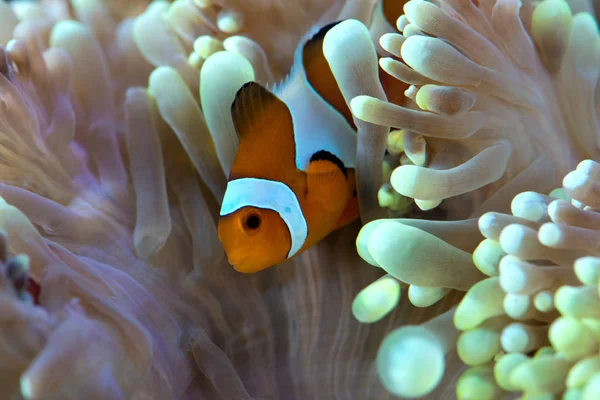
x,y
265,128
319,74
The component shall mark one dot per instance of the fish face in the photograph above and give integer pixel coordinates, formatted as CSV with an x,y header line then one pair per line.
x,y
254,239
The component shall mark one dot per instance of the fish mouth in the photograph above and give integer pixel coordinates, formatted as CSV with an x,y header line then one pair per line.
x,y
241,269
237,262
243,265
248,268
235,258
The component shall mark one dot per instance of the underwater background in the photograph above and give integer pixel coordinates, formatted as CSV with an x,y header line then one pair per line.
x,y
473,273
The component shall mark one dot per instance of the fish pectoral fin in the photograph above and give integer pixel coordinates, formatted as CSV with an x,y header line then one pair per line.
x,y
328,181
351,213
326,174
325,177
323,161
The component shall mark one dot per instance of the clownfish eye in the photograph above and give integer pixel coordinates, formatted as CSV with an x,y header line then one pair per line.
x,y
252,222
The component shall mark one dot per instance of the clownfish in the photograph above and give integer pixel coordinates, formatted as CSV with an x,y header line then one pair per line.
x,y
292,180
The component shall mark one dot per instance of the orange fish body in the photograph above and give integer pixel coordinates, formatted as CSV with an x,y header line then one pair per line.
x,y
292,181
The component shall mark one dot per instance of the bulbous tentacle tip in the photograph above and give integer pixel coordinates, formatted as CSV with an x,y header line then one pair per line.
x,y
417,151
482,301
478,382
420,296
487,256
588,270
427,205
254,53
392,43
479,345
411,359
550,28
19,56
376,300
363,106
207,45
230,21
531,206
389,198
445,100
396,141
362,241
27,390
582,187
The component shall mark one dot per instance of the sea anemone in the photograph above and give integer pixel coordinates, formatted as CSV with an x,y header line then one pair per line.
x,y
532,325
115,144
503,106
537,332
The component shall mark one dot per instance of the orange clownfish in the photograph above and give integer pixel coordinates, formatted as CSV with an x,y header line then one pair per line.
x,y
292,180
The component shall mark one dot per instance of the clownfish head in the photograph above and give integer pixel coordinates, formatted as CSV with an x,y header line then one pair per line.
x,y
254,239
261,224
